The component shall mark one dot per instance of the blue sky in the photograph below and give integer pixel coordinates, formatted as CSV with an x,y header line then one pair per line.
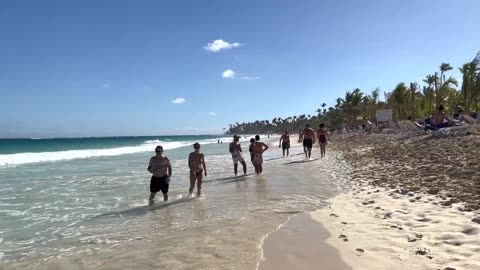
x,y
102,68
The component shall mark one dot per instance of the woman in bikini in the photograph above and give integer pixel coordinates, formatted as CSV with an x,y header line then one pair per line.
x,y
196,163
322,139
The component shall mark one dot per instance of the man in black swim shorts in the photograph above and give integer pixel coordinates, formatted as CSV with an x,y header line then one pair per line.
x,y
161,171
308,141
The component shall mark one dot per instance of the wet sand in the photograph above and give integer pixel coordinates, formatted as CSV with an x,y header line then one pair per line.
x,y
300,244
413,204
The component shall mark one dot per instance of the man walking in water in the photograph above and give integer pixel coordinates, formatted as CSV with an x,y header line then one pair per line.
x,y
258,150
285,142
322,139
196,163
308,141
236,151
161,170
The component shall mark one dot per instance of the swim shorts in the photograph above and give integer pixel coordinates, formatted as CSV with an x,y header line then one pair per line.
x,y
442,125
237,157
307,143
285,145
159,184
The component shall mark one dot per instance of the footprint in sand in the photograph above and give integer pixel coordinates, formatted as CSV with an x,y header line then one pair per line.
x,y
470,231
422,252
333,215
368,202
343,238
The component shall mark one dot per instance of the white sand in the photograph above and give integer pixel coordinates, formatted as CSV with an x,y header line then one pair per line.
x,y
394,230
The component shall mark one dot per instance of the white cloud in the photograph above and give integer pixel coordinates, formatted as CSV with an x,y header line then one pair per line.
x,y
220,44
250,78
178,100
228,74
212,114
106,85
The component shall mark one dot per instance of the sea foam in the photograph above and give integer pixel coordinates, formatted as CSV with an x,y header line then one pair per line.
x,y
147,146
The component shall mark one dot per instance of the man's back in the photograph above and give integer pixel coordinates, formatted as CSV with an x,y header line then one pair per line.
x,y
438,118
308,133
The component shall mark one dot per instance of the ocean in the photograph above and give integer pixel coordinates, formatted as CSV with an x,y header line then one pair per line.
x,y
82,203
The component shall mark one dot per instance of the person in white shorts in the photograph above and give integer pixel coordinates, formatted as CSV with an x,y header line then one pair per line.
x,y
236,151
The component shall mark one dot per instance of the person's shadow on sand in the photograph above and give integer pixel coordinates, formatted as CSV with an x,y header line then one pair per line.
x,y
300,161
141,210
230,178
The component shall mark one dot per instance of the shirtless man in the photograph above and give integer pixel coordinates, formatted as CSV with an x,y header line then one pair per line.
x,y
285,142
308,140
322,139
236,151
196,163
258,150
161,170
440,119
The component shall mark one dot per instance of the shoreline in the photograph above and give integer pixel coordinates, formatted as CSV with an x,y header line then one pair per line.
x,y
387,220
300,243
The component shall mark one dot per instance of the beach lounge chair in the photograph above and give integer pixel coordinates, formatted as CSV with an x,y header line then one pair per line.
x,y
460,130
471,120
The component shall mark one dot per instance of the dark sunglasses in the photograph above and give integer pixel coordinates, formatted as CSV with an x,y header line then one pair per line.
x,y
158,150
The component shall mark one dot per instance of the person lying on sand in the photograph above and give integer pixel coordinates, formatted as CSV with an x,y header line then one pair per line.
x,y
196,163
161,170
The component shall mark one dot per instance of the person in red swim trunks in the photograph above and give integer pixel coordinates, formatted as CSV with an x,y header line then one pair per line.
x,y
322,139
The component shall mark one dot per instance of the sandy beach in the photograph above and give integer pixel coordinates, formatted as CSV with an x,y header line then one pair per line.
x,y
412,204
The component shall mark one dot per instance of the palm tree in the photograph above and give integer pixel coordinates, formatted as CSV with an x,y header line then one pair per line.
x,y
441,91
397,99
413,90
444,67
470,72
430,80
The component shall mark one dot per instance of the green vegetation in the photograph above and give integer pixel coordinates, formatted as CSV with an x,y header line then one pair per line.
x,y
404,100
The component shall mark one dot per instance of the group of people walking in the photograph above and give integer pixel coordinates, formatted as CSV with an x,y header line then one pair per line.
x,y
161,168
307,136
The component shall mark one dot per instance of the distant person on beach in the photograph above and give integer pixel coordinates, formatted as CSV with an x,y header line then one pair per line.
x,y
300,136
308,141
236,151
322,136
196,163
440,119
258,149
250,149
367,125
285,142
161,170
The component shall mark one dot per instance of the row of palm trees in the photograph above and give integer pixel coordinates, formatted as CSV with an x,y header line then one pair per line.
x,y
405,100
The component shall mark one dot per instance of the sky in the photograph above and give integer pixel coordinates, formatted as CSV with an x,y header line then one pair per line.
x,y
120,68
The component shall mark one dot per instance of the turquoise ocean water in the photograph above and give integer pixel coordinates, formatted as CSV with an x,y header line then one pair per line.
x,y
82,202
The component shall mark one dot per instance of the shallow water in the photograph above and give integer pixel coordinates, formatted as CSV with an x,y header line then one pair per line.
x,y
92,212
